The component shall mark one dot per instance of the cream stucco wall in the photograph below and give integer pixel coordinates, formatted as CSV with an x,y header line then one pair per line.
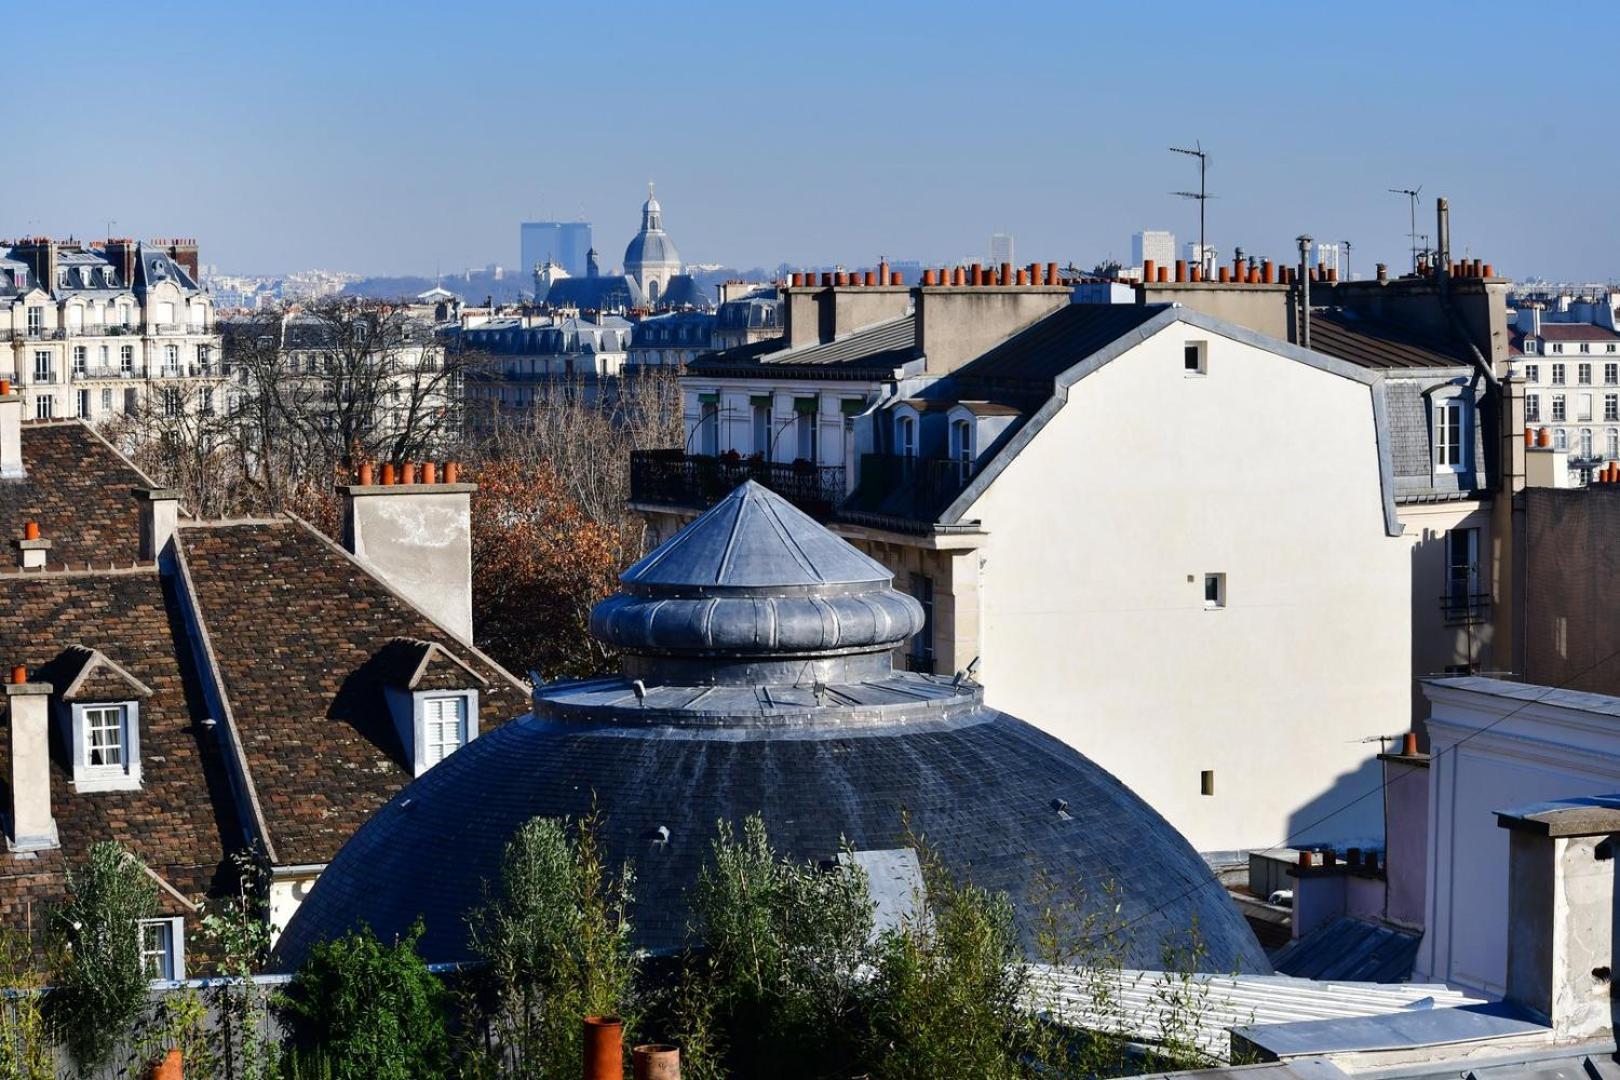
x,y
1091,590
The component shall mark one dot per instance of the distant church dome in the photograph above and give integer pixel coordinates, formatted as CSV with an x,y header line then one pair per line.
x,y
651,258
758,678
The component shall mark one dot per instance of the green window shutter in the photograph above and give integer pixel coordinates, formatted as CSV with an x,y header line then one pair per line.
x,y
804,405
852,406
709,399
760,401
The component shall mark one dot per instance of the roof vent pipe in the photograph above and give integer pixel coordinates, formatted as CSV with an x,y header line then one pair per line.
x,y
1304,240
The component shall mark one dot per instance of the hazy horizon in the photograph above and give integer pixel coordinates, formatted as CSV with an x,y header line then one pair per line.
x,y
408,138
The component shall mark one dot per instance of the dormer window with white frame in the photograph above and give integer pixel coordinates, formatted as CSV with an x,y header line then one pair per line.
x,y
100,710
433,697
1451,433
962,447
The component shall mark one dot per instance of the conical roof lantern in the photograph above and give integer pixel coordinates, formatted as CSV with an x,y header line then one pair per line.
x,y
756,580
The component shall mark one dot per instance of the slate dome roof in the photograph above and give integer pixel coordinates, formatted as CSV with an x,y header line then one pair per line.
x,y
758,678
651,246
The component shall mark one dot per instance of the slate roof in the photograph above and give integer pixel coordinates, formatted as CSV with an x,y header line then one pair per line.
x,y
181,822
303,641
761,722
871,352
593,293
1372,343
1026,364
78,489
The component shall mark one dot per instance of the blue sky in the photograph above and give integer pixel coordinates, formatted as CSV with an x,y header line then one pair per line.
x,y
403,137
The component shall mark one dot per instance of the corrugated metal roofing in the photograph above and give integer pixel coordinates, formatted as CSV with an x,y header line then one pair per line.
x,y
1372,343
1218,1002
1350,949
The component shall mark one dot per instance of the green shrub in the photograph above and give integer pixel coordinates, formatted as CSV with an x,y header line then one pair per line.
x,y
100,985
371,1010
556,936
25,1042
786,946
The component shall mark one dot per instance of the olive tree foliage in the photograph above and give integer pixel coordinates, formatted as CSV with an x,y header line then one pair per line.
x,y
555,934
100,986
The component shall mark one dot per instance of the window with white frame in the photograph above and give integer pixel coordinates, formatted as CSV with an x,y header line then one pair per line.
x,y
44,371
1558,408
163,949
81,359
962,448
1532,373
905,436
444,727
762,427
1560,439
44,407
82,405
106,737
1583,374
1611,407
1530,345
171,401
1611,374
1583,406
36,320
1558,374
1611,443
126,359
1585,347
106,401
171,359
1557,347
1532,406
1586,442
1450,434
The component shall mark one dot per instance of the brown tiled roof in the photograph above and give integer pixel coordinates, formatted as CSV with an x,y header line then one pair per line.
x,y
181,821
304,641
78,489
1577,331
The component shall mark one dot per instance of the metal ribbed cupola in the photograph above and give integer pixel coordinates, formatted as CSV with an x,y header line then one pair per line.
x,y
755,591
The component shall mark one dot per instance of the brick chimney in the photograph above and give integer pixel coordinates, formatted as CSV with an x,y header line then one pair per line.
x,y
417,537
183,252
11,416
121,253
815,314
31,827
160,510
1561,891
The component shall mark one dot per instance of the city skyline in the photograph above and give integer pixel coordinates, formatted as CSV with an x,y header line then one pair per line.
x,y
840,149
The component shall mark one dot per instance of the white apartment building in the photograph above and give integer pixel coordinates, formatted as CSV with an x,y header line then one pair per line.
x,y
1571,376
513,363
1201,614
97,331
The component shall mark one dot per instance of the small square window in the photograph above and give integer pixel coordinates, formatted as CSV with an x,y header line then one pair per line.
x,y
1193,358
162,948
1214,590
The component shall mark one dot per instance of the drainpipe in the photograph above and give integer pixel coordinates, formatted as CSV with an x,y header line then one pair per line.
x,y
1304,240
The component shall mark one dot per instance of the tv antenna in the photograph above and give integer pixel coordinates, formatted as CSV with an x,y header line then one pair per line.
x,y
1412,196
1201,195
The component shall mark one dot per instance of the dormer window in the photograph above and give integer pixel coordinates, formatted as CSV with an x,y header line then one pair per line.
x,y
433,697
100,713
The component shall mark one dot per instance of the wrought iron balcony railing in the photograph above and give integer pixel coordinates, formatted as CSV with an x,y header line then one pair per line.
x,y
676,478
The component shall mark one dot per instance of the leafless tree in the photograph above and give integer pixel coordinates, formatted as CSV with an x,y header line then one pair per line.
x,y
181,435
325,384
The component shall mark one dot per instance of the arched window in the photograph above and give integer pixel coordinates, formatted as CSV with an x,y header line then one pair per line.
x,y
1560,439
905,436
962,448
1586,442
1611,440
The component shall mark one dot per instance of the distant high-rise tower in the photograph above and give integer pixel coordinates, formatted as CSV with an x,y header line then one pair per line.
x,y
562,242
593,267
1001,249
1156,244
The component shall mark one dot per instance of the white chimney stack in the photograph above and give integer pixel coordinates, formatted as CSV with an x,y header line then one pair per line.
x,y
32,549
160,510
412,526
32,828
1561,893
11,412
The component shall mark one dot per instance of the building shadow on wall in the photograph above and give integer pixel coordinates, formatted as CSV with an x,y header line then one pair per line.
x,y
1349,812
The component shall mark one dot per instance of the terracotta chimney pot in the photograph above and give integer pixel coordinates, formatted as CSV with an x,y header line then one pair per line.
x,y
430,473
604,1048
367,474
19,675
389,473
655,1061
31,530
452,472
